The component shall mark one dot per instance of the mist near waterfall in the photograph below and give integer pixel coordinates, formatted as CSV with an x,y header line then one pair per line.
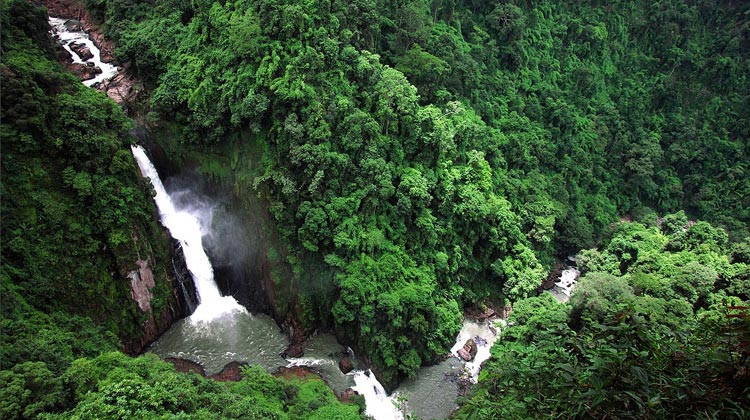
x,y
225,238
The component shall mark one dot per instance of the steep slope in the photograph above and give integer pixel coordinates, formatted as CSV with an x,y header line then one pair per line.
x,y
85,264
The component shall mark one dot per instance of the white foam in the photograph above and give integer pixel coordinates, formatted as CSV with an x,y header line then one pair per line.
x,y
379,404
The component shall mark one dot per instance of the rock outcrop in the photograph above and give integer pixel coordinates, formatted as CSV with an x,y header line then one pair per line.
x,y
142,285
347,395
468,351
295,372
83,71
345,365
231,372
186,366
82,50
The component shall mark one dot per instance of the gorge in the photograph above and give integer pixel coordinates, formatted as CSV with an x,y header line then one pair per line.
x,y
378,189
221,331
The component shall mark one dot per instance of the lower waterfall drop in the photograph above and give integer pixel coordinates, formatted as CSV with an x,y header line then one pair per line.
x,y
186,228
379,404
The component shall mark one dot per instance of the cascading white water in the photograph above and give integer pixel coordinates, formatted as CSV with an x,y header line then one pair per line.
x,y
68,38
185,227
379,404
484,335
564,286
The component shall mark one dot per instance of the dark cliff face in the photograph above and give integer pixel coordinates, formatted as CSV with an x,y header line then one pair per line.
x,y
178,291
84,256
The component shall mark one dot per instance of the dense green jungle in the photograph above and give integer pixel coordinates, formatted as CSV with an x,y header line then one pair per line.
x,y
417,158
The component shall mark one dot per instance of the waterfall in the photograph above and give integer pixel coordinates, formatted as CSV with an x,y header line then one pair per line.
x,y
185,227
379,404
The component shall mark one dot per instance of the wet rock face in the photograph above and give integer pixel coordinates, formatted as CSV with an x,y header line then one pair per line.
x,y
294,350
345,365
141,283
184,286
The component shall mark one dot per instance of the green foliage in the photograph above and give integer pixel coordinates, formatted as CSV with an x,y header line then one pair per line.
x,y
453,147
663,338
114,386
76,217
29,389
597,295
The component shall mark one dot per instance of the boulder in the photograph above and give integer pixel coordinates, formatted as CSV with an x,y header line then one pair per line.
x,y
345,365
471,347
464,354
82,50
294,350
232,372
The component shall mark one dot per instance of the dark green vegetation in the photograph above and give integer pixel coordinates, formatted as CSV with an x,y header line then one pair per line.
x,y
113,386
424,156
656,328
76,217
418,157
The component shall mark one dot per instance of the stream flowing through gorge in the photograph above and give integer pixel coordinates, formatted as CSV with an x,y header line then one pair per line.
x,y
220,330
69,38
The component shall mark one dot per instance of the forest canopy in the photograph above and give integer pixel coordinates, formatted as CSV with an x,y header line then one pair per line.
x,y
443,153
418,158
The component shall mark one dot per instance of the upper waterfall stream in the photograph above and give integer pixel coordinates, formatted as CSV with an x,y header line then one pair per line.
x,y
68,38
